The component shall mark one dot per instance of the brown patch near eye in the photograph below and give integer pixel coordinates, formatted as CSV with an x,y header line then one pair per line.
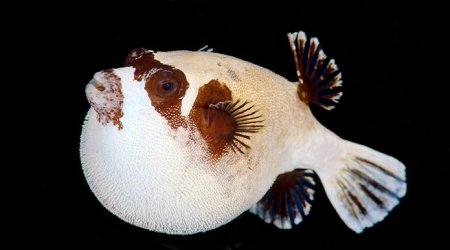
x,y
142,61
107,100
214,125
224,123
165,85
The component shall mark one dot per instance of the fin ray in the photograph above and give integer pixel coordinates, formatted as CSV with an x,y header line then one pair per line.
x,y
364,186
315,71
289,199
246,120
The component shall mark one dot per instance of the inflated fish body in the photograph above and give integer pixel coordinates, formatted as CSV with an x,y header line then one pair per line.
x,y
182,142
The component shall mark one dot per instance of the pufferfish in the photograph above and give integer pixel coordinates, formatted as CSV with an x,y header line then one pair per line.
x,y
183,142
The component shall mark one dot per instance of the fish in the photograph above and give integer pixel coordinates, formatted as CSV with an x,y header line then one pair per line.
x,y
182,142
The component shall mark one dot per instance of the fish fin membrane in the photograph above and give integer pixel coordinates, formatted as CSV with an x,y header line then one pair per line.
x,y
364,186
319,77
247,121
289,199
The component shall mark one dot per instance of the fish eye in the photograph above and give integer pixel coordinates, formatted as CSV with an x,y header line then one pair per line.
x,y
165,84
167,87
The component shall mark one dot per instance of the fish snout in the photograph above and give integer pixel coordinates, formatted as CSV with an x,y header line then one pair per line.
x,y
94,90
104,93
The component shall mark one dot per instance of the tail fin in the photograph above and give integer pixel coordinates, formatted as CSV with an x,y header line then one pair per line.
x,y
364,186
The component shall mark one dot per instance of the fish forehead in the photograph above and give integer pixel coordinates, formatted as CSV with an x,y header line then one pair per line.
x,y
197,59
207,65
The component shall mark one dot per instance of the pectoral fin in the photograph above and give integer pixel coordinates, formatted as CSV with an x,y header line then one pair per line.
x,y
225,124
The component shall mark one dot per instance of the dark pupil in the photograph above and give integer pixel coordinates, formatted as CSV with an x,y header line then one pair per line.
x,y
167,86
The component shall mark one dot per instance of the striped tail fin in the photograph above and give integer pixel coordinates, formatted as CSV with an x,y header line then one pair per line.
x,y
364,185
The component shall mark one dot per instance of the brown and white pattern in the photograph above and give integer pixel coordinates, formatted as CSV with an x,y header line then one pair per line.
x,y
104,93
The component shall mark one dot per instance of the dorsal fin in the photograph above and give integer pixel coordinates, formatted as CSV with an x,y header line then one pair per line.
x,y
206,48
318,75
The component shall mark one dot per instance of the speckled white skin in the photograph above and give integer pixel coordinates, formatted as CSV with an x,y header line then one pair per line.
x,y
155,177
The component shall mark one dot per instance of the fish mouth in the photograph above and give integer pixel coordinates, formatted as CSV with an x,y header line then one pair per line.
x,y
104,94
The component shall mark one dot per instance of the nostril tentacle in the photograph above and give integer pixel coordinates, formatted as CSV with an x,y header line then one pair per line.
x,y
100,87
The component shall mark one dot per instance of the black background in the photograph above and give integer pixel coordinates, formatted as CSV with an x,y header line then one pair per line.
x,y
393,59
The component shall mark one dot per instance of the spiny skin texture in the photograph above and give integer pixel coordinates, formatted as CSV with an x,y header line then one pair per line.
x,y
163,177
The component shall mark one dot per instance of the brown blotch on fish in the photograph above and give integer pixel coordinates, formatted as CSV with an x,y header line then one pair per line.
x,y
100,87
213,125
165,85
223,123
107,100
141,60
